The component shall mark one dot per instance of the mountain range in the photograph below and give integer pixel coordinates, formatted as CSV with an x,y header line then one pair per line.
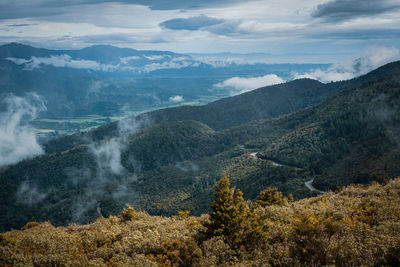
x,y
168,160
111,81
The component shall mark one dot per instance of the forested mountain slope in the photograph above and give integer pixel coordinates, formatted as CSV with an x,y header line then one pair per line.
x,y
267,102
352,137
263,103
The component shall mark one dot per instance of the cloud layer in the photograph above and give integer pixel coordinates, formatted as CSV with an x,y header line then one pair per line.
x,y
62,61
17,140
371,59
333,28
240,85
151,63
41,8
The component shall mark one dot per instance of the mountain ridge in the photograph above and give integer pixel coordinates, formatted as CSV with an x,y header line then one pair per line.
x,y
188,157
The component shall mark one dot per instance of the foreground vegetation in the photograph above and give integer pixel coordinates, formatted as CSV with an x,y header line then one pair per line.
x,y
358,225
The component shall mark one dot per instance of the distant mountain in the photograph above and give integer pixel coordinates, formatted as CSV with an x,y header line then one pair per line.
x,y
263,103
267,102
109,81
351,137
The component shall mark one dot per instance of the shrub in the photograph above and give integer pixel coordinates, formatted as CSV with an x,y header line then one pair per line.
x,y
30,225
128,214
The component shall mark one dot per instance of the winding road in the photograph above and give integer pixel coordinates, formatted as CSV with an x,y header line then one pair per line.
x,y
311,187
308,184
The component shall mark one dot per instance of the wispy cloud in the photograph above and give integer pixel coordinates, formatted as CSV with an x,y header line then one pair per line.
x,y
29,194
240,85
62,61
17,140
372,58
111,173
65,61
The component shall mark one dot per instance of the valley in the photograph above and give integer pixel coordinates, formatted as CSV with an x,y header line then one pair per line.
x,y
168,160
100,82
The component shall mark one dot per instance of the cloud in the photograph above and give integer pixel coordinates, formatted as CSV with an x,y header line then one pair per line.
x,y
17,140
22,25
125,60
164,65
372,58
40,8
241,85
360,34
341,10
29,194
157,57
191,24
108,156
176,99
112,175
64,61
187,166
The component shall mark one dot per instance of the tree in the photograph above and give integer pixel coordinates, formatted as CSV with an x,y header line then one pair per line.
x,y
232,219
222,206
268,197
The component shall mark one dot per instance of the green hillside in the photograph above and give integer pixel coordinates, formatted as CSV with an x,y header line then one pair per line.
x,y
352,137
267,102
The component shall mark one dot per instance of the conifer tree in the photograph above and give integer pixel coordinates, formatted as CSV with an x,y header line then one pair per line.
x,y
222,209
232,219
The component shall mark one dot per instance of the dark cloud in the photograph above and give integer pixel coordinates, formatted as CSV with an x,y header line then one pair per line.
x,y
213,25
192,24
22,25
183,4
10,9
340,10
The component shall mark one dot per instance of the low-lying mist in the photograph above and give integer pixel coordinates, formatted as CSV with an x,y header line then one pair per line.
x,y
17,139
112,175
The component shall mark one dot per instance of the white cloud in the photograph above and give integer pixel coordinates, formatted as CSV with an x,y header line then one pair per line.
x,y
108,156
66,61
125,60
156,57
63,61
17,140
371,58
164,65
242,85
176,98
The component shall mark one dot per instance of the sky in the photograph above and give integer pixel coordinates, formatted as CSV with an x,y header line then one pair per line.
x,y
312,31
